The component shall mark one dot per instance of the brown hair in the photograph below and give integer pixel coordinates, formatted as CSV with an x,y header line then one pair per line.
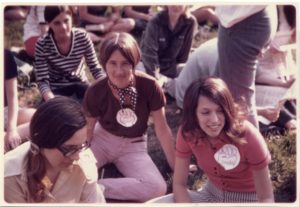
x,y
51,12
123,42
54,122
216,90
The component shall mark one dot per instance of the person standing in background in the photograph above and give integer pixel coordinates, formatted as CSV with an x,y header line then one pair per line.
x,y
244,31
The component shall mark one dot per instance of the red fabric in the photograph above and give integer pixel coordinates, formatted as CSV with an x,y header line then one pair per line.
x,y
99,102
30,45
253,156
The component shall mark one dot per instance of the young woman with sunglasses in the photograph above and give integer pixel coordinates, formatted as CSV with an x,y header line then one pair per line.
x,y
55,166
118,107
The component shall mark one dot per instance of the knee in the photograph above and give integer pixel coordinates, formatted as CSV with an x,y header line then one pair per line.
x,y
130,24
25,115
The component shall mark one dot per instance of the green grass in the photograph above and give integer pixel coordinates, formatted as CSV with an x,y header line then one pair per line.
x,y
13,32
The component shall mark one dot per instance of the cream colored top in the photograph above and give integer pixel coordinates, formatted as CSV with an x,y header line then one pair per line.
x,y
73,185
229,15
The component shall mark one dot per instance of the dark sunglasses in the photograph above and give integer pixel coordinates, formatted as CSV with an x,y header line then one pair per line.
x,y
69,150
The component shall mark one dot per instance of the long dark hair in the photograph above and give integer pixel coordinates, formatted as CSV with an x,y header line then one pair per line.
x,y
54,122
123,42
51,12
216,90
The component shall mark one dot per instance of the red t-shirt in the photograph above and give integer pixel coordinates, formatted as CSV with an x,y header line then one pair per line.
x,y
227,164
99,102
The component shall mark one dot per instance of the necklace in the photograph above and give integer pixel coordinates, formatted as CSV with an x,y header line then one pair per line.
x,y
126,116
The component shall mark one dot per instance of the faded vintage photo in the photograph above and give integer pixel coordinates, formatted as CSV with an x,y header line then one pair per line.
x,y
150,104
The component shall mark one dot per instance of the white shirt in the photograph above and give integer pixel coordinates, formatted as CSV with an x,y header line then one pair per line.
x,y
31,25
78,183
230,15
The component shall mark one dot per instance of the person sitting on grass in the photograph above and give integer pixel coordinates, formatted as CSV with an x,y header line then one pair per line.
x,y
16,119
118,107
167,42
61,54
53,167
99,21
228,148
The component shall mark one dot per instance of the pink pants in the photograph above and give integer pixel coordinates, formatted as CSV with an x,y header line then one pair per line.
x,y
142,180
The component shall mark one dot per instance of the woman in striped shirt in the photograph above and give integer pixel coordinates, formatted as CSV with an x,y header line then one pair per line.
x,y
60,56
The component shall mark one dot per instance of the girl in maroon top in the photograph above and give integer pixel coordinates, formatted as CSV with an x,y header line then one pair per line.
x,y
118,107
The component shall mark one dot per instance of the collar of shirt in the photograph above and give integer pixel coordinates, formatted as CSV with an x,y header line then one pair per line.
x,y
15,161
183,21
221,139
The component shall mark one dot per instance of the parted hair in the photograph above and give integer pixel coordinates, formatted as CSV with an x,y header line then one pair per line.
x,y
54,122
122,42
217,91
51,12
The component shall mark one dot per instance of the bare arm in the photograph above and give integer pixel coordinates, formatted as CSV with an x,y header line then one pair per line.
x,y
273,81
181,173
270,113
48,95
263,185
164,135
12,137
91,122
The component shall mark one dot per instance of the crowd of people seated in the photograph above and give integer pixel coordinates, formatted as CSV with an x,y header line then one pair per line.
x,y
103,71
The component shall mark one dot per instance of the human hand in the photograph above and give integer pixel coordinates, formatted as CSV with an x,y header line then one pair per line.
x,y
291,126
12,139
271,113
107,26
162,80
287,83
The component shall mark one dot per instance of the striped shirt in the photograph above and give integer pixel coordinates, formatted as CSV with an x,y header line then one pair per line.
x,y
55,70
